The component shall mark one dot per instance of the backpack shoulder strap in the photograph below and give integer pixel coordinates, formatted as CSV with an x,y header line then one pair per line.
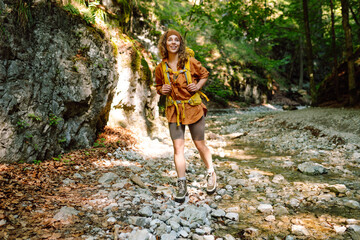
x,y
188,73
164,68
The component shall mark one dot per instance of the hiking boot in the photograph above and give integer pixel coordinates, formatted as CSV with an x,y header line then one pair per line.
x,y
211,182
182,191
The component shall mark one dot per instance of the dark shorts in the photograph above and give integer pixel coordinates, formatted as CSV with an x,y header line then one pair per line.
x,y
197,130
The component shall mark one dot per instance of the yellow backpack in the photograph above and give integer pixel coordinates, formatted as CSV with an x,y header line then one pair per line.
x,y
194,100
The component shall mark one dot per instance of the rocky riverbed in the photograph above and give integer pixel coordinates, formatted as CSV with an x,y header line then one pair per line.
x,y
281,175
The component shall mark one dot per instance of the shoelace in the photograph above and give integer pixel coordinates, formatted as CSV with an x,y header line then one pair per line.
x,y
181,185
209,178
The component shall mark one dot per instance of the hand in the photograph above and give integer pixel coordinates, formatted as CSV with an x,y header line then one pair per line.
x,y
192,87
165,89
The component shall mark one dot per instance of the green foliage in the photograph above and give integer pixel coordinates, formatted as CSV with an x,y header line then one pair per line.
x,y
34,117
53,119
29,136
24,16
58,158
145,72
218,88
89,17
99,143
37,162
62,140
70,8
135,60
22,124
115,48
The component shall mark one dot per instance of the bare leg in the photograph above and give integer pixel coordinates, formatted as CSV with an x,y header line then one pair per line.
x,y
205,153
179,158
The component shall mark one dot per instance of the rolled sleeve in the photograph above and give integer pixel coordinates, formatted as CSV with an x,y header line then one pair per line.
x,y
197,69
159,79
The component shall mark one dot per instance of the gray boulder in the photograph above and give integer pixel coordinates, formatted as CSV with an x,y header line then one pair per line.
x,y
312,168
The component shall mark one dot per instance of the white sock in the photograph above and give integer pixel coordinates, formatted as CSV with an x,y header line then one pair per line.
x,y
210,170
182,178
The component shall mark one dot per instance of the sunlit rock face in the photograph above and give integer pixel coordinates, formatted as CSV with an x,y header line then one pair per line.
x,y
135,101
57,81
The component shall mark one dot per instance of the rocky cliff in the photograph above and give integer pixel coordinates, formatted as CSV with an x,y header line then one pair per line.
x,y
59,76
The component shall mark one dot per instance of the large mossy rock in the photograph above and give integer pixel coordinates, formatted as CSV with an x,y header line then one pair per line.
x,y
57,81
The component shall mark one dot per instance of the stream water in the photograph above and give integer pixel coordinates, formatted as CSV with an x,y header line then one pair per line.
x,y
296,198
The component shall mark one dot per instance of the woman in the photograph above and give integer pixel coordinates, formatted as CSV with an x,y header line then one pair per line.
x,y
172,80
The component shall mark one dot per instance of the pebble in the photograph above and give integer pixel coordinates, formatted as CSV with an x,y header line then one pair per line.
x,y
108,177
183,233
352,204
65,213
140,235
218,213
355,228
337,188
170,236
339,229
174,225
221,192
299,230
2,222
232,216
209,237
312,168
146,211
270,218
228,237
199,231
265,208
78,175
351,221
278,179
112,220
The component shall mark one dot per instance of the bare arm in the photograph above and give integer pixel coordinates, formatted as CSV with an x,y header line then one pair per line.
x,y
192,87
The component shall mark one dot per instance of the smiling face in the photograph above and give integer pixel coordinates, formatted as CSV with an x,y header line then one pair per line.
x,y
172,44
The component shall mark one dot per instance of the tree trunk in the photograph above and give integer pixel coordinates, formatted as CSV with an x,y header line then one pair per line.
x,y
349,51
333,47
301,67
309,52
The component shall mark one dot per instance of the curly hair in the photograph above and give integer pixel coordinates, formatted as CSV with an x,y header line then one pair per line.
x,y
182,54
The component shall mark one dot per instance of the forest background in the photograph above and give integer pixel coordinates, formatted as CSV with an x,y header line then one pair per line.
x,y
287,44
